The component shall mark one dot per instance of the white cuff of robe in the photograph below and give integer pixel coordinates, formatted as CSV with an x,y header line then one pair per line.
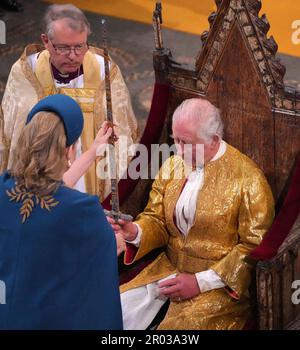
x,y
208,280
137,240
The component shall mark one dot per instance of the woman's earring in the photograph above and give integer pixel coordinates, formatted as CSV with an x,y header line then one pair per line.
x,y
69,163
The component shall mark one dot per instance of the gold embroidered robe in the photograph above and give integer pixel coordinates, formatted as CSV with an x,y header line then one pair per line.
x,y
235,208
25,87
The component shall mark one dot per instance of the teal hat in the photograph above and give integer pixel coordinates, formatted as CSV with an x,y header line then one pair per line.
x,y
67,109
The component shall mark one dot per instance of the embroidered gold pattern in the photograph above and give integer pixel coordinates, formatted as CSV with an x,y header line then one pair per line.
x,y
29,200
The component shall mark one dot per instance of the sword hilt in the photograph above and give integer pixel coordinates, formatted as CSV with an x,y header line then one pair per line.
x,y
113,138
118,215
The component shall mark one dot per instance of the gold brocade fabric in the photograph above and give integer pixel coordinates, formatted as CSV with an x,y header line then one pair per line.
x,y
235,208
25,87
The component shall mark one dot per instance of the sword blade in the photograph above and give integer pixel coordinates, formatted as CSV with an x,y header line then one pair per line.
x,y
115,203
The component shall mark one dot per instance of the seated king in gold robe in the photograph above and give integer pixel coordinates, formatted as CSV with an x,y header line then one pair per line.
x,y
207,221
65,65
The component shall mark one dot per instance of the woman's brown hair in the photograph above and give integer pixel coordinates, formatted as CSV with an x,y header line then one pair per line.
x,y
41,160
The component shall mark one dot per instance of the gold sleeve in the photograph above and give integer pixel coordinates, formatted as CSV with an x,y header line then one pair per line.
x,y
19,96
4,147
122,107
152,219
255,217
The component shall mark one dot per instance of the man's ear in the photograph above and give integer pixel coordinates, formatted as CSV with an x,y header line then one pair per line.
x,y
45,40
215,141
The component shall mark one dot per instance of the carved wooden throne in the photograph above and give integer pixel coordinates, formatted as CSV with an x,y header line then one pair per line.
x,y
237,70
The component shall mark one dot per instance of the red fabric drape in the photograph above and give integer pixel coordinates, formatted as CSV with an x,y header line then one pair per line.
x,y
151,135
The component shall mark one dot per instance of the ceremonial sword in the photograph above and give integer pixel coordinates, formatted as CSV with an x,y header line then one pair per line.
x,y
115,202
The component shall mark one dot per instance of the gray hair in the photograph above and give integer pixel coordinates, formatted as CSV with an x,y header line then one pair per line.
x,y
75,18
204,115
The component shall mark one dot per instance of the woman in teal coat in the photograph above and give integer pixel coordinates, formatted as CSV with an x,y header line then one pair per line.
x,y
58,257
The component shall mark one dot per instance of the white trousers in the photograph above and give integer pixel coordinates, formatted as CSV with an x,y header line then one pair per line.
x,y
140,305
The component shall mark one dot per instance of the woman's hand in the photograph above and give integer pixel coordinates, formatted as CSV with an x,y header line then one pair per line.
x,y
99,145
81,165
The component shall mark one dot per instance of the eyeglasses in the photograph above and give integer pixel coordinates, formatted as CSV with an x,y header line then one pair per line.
x,y
65,50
